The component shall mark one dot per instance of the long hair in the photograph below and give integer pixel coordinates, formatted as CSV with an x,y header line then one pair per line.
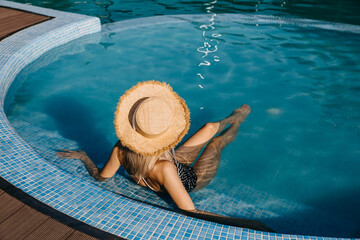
x,y
139,165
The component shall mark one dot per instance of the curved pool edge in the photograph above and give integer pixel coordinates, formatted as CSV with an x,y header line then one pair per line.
x,y
24,168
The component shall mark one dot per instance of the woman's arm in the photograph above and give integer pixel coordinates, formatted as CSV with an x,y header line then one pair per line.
x,y
168,177
114,162
110,168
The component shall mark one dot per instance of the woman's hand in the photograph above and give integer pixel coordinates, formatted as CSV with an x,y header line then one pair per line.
x,y
72,154
237,222
81,155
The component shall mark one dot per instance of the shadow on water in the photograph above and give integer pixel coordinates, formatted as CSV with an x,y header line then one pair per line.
x,y
305,223
75,121
334,214
343,204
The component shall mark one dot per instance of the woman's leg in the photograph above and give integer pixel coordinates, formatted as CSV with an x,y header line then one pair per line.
x,y
207,164
189,150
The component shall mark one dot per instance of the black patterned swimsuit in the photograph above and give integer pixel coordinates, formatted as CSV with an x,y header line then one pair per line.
x,y
187,175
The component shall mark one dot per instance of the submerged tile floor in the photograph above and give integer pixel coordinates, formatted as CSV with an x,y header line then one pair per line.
x,y
26,169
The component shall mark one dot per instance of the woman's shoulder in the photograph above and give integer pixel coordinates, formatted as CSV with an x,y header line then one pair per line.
x,y
164,165
161,169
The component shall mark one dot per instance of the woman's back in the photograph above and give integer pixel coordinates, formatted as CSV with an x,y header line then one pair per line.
x,y
151,177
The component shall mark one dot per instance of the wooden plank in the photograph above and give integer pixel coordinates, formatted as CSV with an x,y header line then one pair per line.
x,y
80,236
21,223
8,206
50,229
12,20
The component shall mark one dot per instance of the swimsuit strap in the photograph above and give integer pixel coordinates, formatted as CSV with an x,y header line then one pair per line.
x,y
175,161
145,183
173,153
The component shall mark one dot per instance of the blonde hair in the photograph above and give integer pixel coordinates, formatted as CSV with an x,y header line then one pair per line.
x,y
140,165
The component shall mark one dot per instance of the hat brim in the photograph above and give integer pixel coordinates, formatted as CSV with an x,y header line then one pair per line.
x,y
155,145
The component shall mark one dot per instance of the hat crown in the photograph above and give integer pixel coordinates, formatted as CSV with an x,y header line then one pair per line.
x,y
153,116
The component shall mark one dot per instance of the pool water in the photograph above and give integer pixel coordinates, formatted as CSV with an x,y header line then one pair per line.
x,y
295,162
112,11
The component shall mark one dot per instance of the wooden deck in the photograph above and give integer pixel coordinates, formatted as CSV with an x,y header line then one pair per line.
x,y
13,20
24,217
19,221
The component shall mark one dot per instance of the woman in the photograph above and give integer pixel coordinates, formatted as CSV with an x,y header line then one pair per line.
x,y
150,120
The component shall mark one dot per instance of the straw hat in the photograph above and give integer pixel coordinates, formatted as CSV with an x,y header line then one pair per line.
x,y
151,118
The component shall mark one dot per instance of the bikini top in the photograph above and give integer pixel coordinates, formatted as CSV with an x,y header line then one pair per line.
x,y
187,175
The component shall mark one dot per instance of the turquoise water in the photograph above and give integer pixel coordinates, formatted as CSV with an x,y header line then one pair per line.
x,y
295,161
346,11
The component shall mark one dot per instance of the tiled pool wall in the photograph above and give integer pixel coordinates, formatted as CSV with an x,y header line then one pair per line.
x,y
24,168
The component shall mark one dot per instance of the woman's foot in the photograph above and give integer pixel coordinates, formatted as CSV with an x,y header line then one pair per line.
x,y
238,115
241,113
